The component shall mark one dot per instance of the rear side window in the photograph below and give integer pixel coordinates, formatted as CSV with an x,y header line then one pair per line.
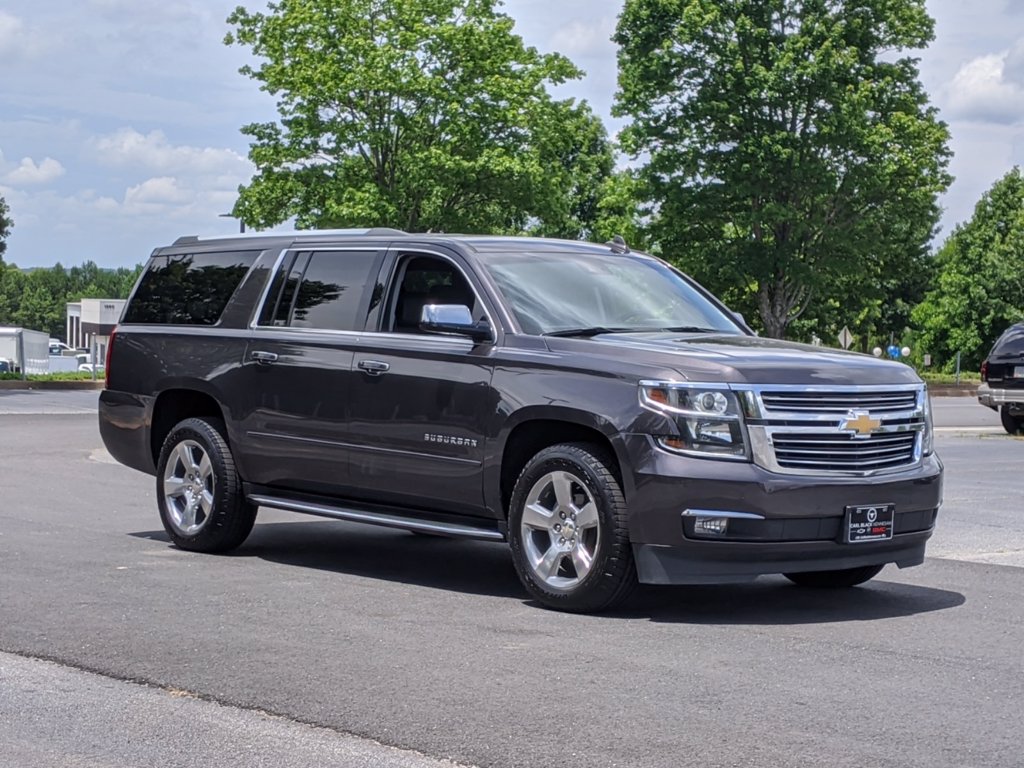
x,y
322,289
188,289
1011,343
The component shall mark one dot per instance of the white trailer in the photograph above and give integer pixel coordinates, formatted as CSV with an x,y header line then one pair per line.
x,y
25,351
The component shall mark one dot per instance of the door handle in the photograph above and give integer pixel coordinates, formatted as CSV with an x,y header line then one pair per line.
x,y
374,367
264,358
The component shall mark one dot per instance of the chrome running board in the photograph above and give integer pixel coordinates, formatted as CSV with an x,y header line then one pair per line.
x,y
387,519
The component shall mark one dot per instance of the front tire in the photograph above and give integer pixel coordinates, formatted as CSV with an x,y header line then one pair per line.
x,y
198,491
1014,425
842,579
568,530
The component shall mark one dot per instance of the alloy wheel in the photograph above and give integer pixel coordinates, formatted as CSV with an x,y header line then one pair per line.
x,y
188,487
560,530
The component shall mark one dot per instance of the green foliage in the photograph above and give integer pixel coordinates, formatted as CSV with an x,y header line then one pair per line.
x,y
6,223
792,160
980,284
618,211
61,376
36,299
427,115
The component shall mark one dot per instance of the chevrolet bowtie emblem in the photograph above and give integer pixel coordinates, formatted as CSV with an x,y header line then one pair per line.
x,y
860,423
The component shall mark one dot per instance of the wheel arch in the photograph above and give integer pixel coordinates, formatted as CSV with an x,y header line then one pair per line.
x,y
176,404
532,430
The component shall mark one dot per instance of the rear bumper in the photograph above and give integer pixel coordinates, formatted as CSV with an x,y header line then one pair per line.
x,y
994,397
783,523
125,429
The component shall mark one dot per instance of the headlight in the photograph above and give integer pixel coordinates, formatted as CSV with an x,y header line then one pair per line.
x,y
708,419
928,436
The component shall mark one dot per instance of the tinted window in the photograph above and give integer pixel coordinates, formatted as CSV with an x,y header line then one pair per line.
x,y
552,292
188,289
322,290
281,298
1011,343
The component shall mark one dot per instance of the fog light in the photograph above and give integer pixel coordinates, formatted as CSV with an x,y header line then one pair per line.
x,y
711,526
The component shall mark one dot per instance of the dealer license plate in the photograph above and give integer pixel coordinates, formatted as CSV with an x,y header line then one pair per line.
x,y
872,523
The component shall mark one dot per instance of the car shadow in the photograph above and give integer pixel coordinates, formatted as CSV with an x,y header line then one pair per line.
x,y
483,568
773,600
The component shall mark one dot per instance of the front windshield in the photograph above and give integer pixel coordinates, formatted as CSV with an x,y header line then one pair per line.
x,y
563,292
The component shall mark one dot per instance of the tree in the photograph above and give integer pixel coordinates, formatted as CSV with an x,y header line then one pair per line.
x,y
37,298
980,282
788,148
6,223
418,114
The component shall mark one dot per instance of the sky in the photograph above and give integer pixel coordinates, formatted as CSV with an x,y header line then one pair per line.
x,y
119,119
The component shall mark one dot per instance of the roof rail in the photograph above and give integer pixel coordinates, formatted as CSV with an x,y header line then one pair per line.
x,y
386,231
373,232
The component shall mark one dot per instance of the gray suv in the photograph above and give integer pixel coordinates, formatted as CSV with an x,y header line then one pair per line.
x,y
593,407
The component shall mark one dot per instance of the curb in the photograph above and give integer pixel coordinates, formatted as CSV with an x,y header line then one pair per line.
x,y
970,390
51,385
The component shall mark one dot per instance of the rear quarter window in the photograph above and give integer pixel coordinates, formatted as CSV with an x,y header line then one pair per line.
x,y
188,289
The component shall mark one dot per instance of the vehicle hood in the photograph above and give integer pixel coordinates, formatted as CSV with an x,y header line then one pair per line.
x,y
742,359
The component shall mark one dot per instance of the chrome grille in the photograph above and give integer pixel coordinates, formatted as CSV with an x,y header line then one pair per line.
x,y
800,431
840,402
839,452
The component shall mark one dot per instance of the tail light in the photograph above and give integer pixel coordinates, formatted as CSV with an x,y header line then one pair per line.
x,y
106,362
984,371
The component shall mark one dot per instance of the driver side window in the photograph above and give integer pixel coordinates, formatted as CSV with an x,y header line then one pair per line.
x,y
423,280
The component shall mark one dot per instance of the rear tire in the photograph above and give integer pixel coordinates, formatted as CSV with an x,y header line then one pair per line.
x,y
843,579
198,491
568,530
1014,425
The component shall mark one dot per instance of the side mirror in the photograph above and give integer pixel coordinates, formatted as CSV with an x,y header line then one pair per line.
x,y
738,316
454,318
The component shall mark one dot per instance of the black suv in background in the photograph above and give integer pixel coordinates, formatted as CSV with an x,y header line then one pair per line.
x,y
594,407
1002,379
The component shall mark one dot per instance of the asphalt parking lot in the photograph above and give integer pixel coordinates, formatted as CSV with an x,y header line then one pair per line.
x,y
324,643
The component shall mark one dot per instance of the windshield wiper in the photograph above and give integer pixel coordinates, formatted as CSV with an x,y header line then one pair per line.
x,y
690,329
597,330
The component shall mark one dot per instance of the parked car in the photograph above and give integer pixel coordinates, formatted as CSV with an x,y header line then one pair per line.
x,y
1002,377
5,365
592,406
58,347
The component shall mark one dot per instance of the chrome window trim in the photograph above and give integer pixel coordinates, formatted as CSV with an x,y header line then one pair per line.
x,y
254,319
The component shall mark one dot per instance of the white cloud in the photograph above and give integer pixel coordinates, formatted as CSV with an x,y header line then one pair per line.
x,y
985,89
159,191
152,151
17,41
29,173
11,31
582,39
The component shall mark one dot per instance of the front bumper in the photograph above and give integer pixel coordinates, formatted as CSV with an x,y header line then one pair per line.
x,y
801,529
995,397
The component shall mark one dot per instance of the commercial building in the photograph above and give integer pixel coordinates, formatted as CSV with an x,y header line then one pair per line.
x,y
92,320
